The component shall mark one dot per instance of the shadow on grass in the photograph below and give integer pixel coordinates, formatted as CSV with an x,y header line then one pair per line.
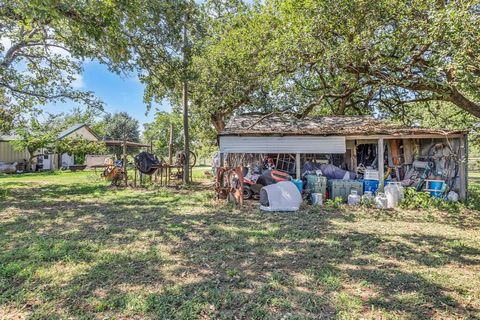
x,y
174,254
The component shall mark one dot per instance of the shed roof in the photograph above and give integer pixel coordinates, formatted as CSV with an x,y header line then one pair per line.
x,y
260,124
74,128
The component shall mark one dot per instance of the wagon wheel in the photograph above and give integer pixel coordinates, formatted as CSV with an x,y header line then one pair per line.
x,y
192,159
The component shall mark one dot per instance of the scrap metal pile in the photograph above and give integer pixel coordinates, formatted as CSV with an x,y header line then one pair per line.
x,y
429,167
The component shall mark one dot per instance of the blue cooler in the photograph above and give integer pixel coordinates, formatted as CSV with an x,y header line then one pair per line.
x,y
370,185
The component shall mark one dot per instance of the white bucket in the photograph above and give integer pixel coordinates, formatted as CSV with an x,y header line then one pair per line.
x,y
381,201
317,199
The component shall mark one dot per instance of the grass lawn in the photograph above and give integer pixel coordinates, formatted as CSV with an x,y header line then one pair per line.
x,y
71,248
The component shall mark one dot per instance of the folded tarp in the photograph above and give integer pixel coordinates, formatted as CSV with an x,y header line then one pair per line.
x,y
328,170
282,196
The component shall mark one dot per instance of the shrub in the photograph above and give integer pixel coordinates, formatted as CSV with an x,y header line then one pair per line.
x,y
423,200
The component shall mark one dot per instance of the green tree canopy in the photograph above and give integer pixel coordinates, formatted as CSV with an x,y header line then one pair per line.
x,y
158,132
43,45
120,126
34,137
338,57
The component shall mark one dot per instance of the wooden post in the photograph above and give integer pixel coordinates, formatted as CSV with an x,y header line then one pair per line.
x,y
298,169
125,158
170,146
463,168
381,165
161,175
135,179
222,160
353,156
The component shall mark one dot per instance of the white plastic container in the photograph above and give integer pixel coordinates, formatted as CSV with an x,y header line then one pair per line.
x,y
353,198
317,199
394,193
371,174
381,201
401,191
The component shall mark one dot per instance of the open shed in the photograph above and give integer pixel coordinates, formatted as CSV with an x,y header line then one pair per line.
x,y
349,142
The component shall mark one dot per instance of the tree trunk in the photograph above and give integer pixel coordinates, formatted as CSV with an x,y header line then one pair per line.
x,y
464,103
218,122
186,137
170,145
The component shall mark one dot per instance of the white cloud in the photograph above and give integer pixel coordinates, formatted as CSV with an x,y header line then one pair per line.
x,y
6,43
60,51
78,82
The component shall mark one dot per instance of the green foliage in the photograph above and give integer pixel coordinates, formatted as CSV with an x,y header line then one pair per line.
x,y
119,126
80,147
423,200
78,115
334,203
367,202
338,57
34,136
158,132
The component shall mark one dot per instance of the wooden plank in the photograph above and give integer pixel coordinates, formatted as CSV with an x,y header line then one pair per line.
x,y
297,166
381,164
463,168
408,151
222,160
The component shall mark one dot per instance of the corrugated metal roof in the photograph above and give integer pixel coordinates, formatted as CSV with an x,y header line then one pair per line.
x,y
260,124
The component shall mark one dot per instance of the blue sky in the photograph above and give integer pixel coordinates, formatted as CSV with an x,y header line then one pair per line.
x,y
119,93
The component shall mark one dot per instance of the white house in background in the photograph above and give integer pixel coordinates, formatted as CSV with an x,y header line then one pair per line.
x,y
49,161
80,130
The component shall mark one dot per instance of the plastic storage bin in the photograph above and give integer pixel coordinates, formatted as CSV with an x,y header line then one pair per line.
x,y
316,184
342,188
370,185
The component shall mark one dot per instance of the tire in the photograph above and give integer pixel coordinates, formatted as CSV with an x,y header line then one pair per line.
x,y
247,193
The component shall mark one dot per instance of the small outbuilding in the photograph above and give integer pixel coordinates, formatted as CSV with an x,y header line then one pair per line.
x,y
46,160
358,144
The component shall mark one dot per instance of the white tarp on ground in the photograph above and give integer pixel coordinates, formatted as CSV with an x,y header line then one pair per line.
x,y
282,196
8,167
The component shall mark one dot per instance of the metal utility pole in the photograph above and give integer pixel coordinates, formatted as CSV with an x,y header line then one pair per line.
x,y
186,138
